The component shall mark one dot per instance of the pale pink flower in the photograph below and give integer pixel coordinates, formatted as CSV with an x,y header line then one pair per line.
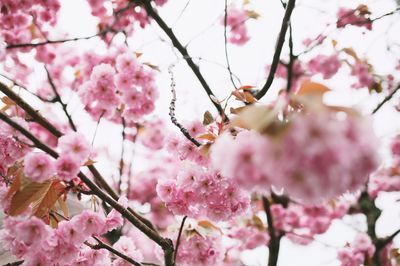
x,y
76,145
67,167
38,166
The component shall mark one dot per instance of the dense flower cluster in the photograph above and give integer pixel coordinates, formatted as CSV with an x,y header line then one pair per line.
x,y
119,86
358,253
12,146
326,65
20,19
124,16
314,159
74,149
357,17
196,249
302,223
198,192
363,75
35,242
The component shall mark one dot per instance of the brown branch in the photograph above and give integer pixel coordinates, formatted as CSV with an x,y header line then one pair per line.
x,y
177,44
15,263
121,161
101,245
292,59
178,239
387,98
59,100
33,45
279,44
275,238
165,243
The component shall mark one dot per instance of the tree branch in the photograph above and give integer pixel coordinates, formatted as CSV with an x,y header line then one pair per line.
x,y
178,239
387,98
176,43
292,59
101,245
274,243
59,100
279,44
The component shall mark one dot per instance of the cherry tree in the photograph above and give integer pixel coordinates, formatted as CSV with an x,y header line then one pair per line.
x,y
265,161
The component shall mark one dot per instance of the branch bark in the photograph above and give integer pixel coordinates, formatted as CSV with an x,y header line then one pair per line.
x,y
275,238
279,44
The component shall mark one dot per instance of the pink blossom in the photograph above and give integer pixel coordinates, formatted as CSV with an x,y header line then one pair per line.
x,y
326,65
126,246
357,17
67,167
246,159
38,166
76,145
198,250
92,223
363,74
395,146
236,23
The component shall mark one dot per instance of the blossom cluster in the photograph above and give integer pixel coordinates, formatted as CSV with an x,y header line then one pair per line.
x,y
237,27
359,252
198,192
12,146
326,65
357,17
74,150
196,249
318,155
118,86
19,19
124,14
37,243
302,222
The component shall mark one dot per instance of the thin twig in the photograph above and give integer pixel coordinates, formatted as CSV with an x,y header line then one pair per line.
x,y
23,45
226,44
101,245
292,59
184,131
121,161
387,98
281,40
59,100
178,239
